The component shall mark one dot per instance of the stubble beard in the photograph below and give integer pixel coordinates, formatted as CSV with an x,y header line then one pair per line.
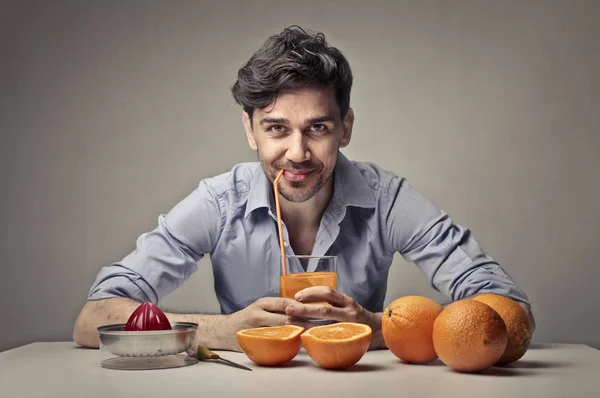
x,y
296,192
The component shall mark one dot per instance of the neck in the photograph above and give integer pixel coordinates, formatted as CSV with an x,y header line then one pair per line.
x,y
307,213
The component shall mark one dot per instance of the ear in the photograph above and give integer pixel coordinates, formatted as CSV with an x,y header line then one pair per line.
x,y
347,123
249,130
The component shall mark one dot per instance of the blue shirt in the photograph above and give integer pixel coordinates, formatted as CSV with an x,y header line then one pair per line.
x,y
372,215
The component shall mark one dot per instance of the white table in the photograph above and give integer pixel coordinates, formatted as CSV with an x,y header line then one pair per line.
x,y
65,370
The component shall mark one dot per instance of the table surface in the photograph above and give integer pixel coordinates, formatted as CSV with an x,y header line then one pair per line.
x,y
65,370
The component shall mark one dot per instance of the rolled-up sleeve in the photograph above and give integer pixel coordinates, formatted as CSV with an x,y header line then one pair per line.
x,y
165,257
445,252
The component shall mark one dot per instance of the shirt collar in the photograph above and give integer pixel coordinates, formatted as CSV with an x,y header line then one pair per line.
x,y
350,188
261,192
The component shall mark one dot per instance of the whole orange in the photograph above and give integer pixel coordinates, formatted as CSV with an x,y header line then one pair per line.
x,y
407,328
270,346
517,324
469,336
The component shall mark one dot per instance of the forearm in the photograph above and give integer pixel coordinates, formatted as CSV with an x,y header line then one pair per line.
x,y
214,331
100,312
377,342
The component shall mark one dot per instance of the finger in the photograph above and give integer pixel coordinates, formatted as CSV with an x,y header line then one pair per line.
x,y
272,319
323,293
274,304
320,311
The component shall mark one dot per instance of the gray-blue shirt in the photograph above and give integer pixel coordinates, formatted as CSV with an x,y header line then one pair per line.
x,y
372,215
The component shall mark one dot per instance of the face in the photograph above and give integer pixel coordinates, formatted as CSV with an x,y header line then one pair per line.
x,y
301,133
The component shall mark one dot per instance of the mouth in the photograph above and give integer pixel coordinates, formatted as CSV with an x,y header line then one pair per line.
x,y
297,174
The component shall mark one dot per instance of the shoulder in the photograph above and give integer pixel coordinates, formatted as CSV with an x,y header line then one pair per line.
x,y
378,178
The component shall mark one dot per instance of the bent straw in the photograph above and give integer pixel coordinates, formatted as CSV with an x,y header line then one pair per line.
x,y
276,188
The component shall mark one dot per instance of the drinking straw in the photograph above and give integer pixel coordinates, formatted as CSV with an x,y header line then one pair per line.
x,y
276,188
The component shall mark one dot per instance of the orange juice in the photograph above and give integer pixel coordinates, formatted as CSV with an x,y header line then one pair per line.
x,y
291,284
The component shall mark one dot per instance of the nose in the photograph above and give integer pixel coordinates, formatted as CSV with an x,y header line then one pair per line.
x,y
297,151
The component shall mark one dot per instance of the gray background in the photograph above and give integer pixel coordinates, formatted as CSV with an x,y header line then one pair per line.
x,y
112,111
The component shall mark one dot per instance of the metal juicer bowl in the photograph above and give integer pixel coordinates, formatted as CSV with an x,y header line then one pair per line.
x,y
152,343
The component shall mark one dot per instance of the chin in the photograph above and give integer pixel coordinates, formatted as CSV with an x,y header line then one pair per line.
x,y
299,192
297,198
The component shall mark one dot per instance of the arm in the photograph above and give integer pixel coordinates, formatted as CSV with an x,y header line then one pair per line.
x,y
377,342
445,252
214,331
161,261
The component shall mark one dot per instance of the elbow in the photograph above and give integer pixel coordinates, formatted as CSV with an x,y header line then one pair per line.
x,y
84,333
82,337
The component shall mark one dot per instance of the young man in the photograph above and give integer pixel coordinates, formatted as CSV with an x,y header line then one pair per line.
x,y
295,94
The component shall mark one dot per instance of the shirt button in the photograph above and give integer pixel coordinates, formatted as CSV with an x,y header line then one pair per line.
x,y
286,244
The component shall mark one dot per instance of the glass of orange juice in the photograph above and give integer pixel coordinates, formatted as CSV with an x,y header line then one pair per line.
x,y
307,271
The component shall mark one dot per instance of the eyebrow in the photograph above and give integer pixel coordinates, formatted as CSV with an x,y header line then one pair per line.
x,y
273,120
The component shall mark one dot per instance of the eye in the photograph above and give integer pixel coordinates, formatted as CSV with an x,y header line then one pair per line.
x,y
276,128
319,127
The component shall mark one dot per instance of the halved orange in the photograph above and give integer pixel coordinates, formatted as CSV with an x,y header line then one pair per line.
x,y
272,345
337,346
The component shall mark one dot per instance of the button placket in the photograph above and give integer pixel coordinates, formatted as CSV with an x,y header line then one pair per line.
x,y
328,232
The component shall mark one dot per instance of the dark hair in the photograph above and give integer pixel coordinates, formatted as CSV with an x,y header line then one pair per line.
x,y
292,58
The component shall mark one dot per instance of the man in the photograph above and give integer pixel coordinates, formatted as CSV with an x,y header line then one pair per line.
x,y
295,94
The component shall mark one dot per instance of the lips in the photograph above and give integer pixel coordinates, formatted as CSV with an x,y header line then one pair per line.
x,y
297,174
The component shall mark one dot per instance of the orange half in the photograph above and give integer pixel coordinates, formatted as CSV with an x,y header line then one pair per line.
x,y
337,346
272,345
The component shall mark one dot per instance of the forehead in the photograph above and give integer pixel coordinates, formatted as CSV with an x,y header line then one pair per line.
x,y
302,103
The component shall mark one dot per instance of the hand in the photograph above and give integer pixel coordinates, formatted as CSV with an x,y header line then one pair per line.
x,y
266,311
339,307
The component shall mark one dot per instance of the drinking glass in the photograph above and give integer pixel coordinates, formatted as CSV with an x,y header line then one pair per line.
x,y
307,271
